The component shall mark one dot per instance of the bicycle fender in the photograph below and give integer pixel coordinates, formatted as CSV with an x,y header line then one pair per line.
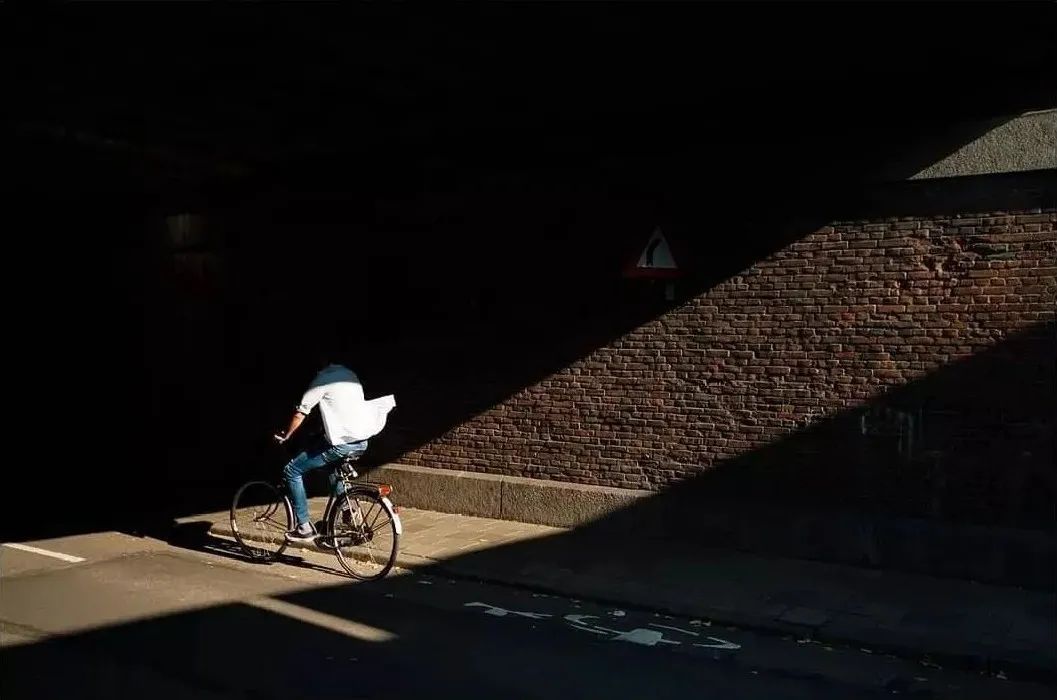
x,y
393,514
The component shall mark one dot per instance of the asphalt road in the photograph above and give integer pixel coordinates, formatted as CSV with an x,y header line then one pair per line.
x,y
118,616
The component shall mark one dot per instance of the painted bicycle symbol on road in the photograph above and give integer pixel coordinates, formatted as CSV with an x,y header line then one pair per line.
x,y
649,636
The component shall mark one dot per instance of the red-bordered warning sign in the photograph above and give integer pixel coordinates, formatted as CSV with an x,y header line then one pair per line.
x,y
655,261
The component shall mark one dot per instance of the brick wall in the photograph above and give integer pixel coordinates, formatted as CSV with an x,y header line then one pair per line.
x,y
904,363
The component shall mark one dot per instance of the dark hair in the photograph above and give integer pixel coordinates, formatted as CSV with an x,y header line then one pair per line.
x,y
331,346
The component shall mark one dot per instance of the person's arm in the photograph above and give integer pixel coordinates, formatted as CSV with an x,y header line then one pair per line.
x,y
295,423
308,402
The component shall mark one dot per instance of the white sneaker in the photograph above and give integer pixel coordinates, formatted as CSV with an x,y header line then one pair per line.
x,y
299,536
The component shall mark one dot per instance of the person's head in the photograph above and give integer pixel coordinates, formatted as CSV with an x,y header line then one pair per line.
x,y
321,357
330,348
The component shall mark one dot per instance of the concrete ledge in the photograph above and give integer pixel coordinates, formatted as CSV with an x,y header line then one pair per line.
x,y
444,490
988,554
563,505
537,501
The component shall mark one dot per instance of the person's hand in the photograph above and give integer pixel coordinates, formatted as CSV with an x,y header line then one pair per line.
x,y
279,438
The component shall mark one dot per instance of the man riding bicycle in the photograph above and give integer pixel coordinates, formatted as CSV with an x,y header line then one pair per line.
x,y
348,422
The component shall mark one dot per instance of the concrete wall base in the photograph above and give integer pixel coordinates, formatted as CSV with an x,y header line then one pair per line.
x,y
995,555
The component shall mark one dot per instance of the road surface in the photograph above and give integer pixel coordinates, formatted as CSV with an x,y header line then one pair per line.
x,y
110,615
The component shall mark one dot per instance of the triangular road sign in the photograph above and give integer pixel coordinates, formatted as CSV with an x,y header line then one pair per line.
x,y
656,259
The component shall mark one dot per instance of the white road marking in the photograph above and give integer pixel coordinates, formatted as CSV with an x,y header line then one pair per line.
x,y
717,642
503,612
577,621
674,629
644,637
639,635
44,552
720,644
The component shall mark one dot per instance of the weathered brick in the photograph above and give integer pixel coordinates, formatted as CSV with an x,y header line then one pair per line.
x,y
811,332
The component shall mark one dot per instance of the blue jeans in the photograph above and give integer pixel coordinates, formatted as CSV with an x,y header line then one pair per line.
x,y
319,454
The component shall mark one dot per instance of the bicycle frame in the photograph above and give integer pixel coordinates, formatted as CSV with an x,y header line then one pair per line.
x,y
370,511
345,475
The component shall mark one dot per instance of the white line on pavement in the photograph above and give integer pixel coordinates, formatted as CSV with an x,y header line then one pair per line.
x,y
45,552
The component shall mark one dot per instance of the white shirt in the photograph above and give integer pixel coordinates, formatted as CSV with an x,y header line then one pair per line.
x,y
347,417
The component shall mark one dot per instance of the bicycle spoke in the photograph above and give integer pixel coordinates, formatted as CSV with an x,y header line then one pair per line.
x,y
259,520
370,550
380,511
376,529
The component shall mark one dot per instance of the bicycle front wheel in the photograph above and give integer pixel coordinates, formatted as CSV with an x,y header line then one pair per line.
x,y
364,531
260,518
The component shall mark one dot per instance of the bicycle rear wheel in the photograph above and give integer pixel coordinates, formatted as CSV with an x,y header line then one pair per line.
x,y
364,531
260,518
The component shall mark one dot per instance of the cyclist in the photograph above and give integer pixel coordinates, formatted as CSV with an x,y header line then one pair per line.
x,y
348,422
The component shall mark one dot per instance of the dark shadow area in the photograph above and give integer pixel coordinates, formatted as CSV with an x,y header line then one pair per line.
x,y
468,229
313,643
239,650
838,490
460,198
448,337
185,383
904,482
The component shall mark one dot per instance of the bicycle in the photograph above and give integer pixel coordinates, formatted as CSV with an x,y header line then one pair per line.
x,y
360,525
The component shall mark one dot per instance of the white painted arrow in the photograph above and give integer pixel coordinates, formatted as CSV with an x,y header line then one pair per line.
x,y
503,612
579,622
719,644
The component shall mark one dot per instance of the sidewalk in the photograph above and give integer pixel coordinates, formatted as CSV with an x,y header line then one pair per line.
x,y
946,621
